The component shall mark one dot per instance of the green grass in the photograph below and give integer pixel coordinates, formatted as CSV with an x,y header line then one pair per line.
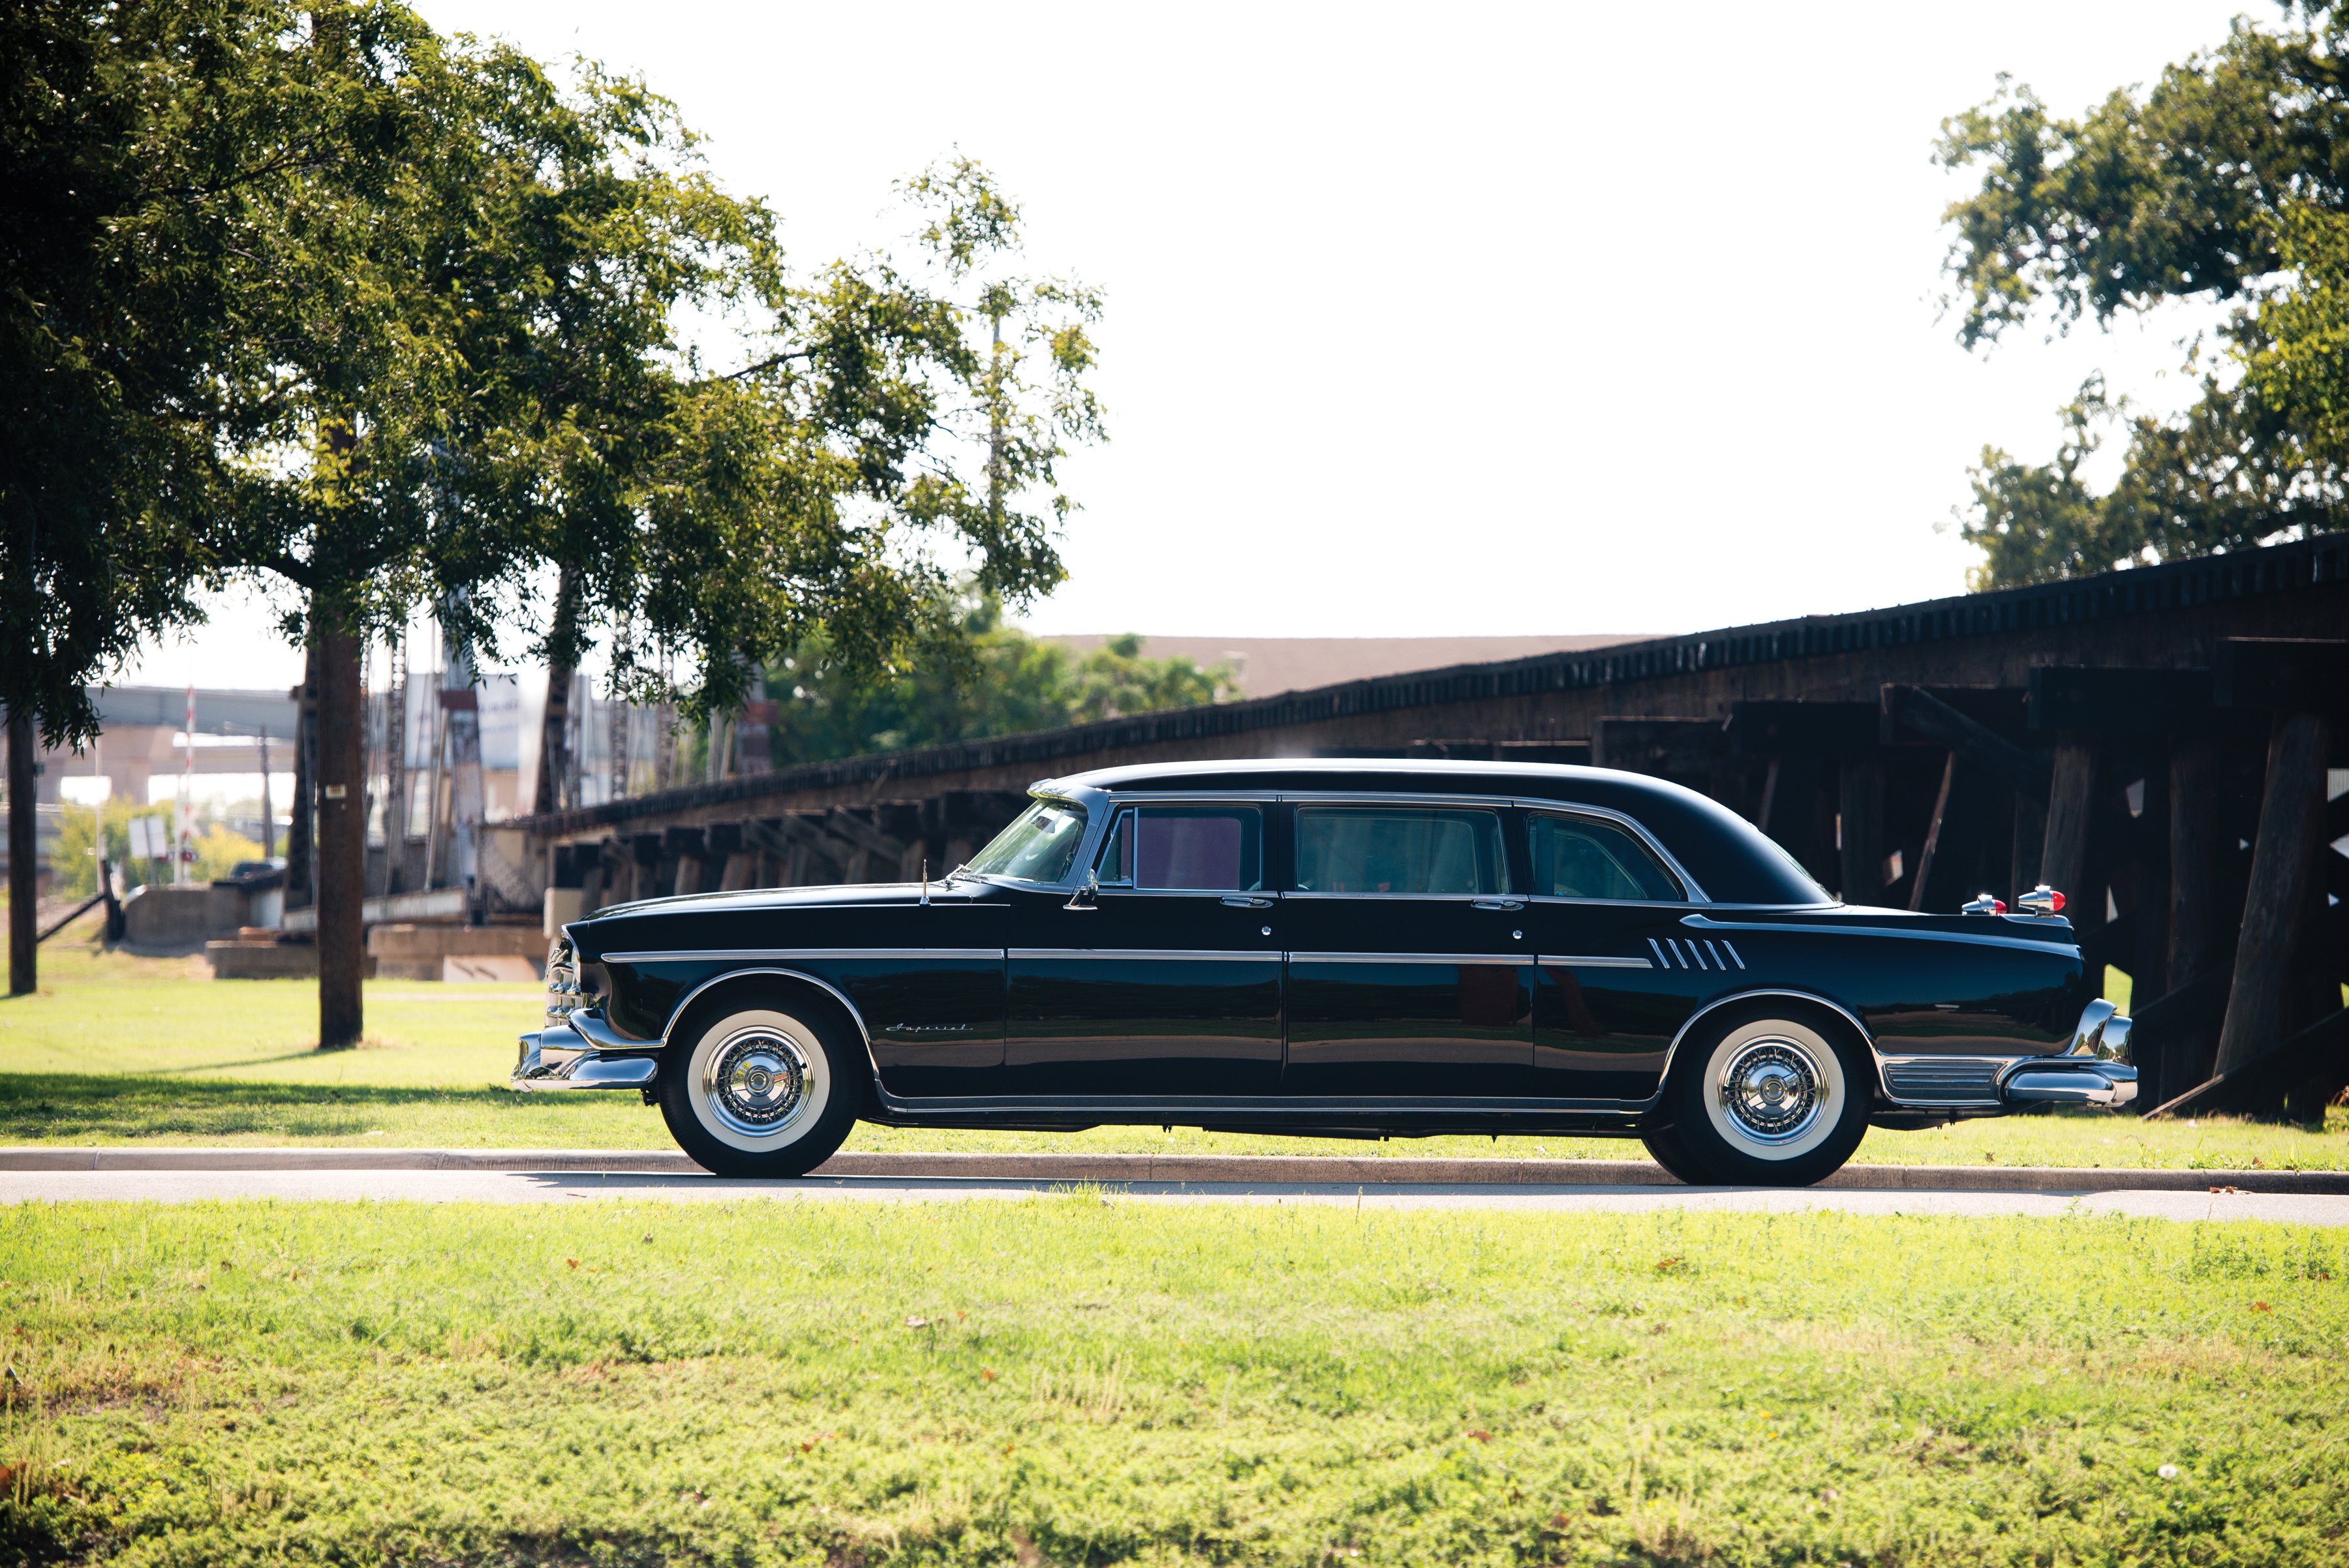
x,y
116,1049
1080,1379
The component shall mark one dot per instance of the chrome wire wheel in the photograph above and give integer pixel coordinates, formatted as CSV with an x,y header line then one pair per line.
x,y
1774,1089
759,1082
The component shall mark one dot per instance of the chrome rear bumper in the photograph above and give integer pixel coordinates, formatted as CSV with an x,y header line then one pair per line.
x,y
2095,1072
561,1058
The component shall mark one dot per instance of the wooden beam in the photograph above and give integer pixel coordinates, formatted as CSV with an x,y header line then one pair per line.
x,y
2300,675
2266,1076
2176,1037
1933,835
2070,808
1818,729
1913,711
2197,936
2118,702
1649,746
1861,798
2284,858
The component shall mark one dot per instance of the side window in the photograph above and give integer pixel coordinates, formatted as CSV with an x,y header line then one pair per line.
x,y
1186,848
1433,852
1590,857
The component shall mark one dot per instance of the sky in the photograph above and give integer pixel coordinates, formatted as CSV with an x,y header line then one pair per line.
x,y
1440,320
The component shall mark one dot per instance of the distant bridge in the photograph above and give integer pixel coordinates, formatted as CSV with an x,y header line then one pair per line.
x,y
1912,755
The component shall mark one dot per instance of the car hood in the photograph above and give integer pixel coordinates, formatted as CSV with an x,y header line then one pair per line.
x,y
842,895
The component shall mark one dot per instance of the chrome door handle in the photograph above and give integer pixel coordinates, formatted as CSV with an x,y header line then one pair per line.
x,y
1242,901
1498,904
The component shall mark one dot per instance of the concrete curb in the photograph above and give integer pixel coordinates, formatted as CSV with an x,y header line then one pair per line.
x,y
1250,1171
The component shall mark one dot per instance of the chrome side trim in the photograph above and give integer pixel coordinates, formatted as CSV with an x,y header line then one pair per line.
x,y
1154,955
1706,923
727,955
1672,1052
1252,1105
1991,1068
1414,898
1591,961
1432,960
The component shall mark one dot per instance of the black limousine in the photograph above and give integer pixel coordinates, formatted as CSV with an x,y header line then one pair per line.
x,y
1347,949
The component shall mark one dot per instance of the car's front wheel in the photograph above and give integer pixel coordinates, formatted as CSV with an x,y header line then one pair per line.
x,y
760,1086
1761,1098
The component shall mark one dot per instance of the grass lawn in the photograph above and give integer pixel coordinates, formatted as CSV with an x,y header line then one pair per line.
x,y
116,1049
1086,1379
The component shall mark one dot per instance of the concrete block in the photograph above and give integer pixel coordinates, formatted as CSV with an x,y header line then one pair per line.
x,y
405,943
262,960
488,969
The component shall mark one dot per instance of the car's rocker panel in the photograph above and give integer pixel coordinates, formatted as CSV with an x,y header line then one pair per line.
x,y
1560,934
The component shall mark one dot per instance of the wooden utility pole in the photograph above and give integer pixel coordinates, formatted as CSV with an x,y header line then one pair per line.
x,y
301,883
24,847
555,770
341,847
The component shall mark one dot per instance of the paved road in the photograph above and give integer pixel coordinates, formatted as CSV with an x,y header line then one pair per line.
x,y
528,1186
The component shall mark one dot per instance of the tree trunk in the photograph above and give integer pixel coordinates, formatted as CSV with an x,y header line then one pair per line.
x,y
24,871
341,847
2285,857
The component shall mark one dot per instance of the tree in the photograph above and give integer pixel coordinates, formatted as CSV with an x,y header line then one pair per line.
x,y
2218,185
989,680
130,138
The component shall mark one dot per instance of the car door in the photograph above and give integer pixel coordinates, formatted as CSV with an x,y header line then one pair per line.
x,y
1163,980
1619,975
1410,970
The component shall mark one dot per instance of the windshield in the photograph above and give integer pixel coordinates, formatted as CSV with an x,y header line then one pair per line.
x,y
1039,846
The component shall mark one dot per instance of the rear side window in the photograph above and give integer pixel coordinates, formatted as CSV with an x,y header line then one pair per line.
x,y
1590,857
1431,852
1186,848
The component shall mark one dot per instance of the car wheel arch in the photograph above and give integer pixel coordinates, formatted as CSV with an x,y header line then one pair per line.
x,y
1802,1006
810,990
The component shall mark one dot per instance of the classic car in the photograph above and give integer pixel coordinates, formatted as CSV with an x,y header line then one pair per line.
x,y
1336,948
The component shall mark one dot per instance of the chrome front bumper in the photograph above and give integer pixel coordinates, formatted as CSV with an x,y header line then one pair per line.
x,y
2095,1072
583,1055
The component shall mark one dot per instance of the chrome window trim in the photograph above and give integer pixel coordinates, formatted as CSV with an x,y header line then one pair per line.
x,y
1152,955
1971,939
1638,830
1592,961
1096,806
1118,804
1446,961
721,955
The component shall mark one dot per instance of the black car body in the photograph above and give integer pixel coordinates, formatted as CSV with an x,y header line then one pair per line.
x,y
1335,948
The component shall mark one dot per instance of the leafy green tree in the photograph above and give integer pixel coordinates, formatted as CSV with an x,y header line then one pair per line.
x,y
2214,185
987,679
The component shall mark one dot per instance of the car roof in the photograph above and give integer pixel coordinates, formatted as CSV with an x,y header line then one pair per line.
x,y
1728,855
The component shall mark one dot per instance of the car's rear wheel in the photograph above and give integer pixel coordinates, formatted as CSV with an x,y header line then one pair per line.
x,y
1764,1097
760,1085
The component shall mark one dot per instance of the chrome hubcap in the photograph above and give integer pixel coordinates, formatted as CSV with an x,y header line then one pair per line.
x,y
1770,1090
757,1081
